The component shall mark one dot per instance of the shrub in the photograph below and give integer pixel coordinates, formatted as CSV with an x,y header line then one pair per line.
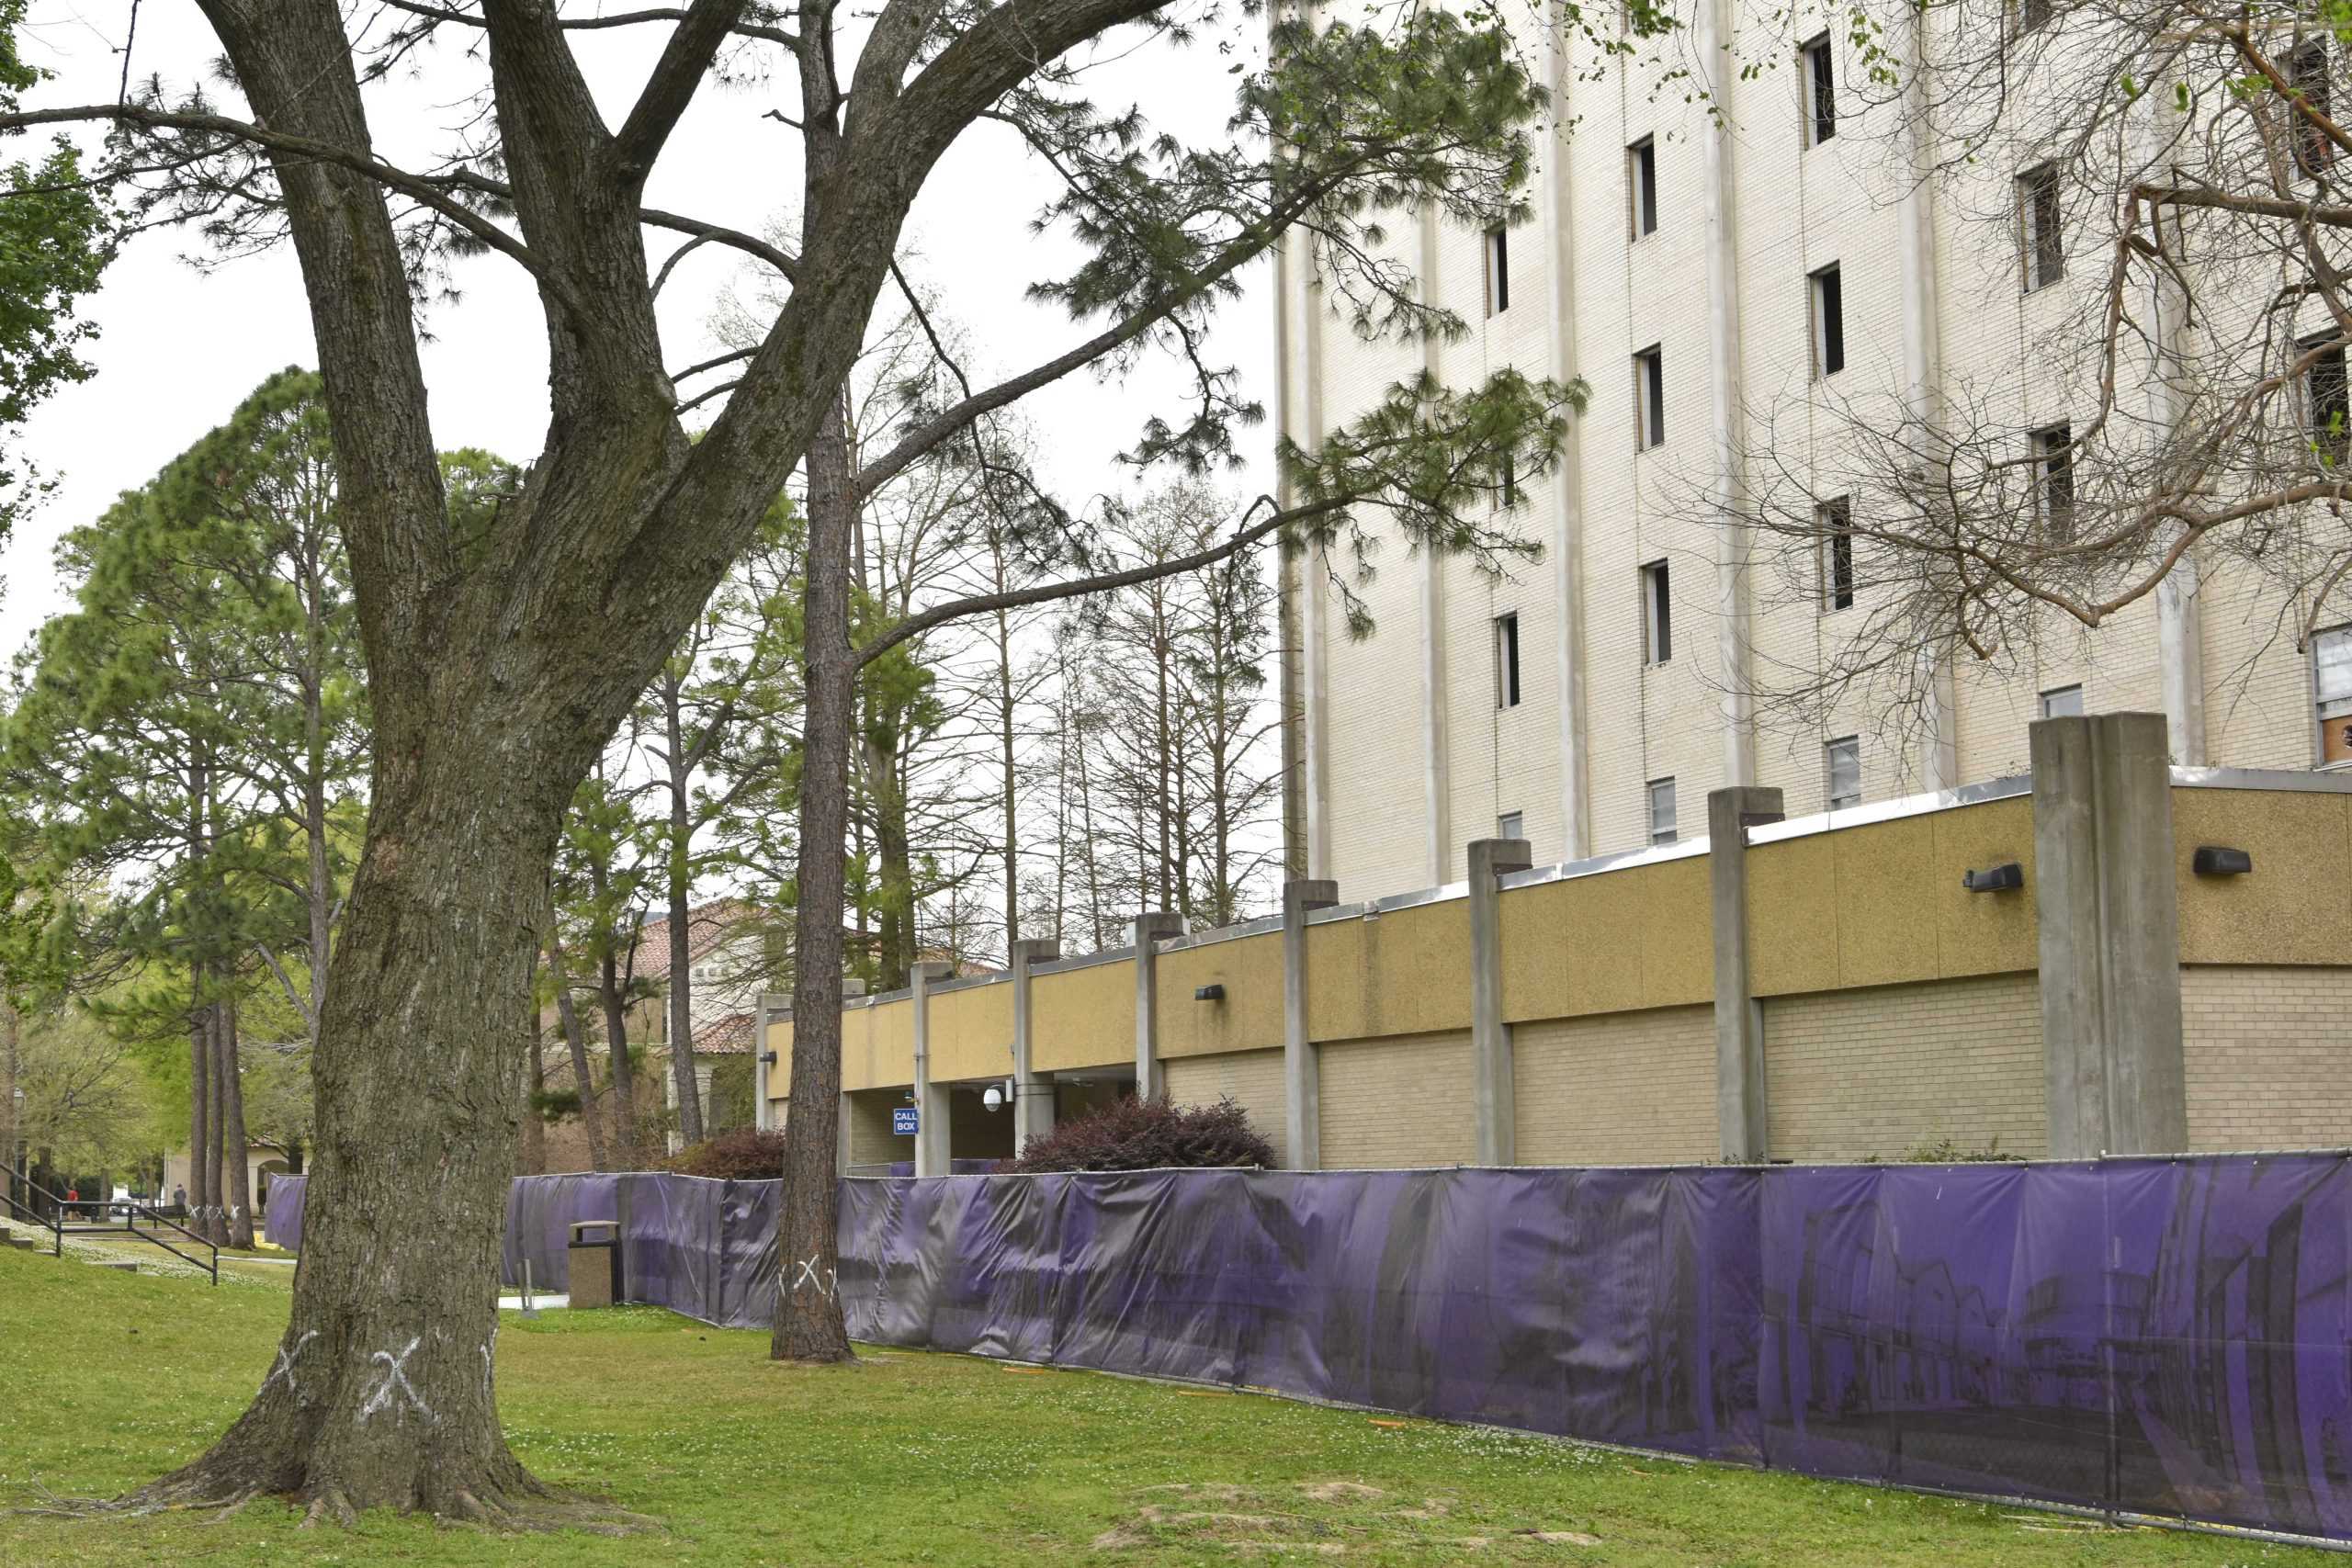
x,y
1149,1135
744,1155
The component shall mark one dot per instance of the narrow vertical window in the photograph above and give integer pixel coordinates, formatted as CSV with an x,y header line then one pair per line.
x,y
1510,825
1834,522
1819,73
1657,614
2332,666
1828,322
1507,481
2033,14
1649,398
1641,185
1661,794
2054,464
2062,701
2326,395
2307,75
1842,761
2045,241
1497,272
1506,662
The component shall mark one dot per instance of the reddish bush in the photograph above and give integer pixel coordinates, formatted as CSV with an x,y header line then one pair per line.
x,y
744,1155
1149,1135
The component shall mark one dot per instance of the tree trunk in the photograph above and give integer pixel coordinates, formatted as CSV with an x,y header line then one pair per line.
x,y
584,1072
1004,741
614,997
808,1310
682,1002
532,1158
237,1170
382,1393
199,1106
895,936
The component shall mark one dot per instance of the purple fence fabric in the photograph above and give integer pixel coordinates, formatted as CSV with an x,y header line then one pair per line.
x,y
281,1223
2158,1336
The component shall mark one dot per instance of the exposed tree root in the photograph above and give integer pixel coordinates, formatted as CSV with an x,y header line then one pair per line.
x,y
328,1505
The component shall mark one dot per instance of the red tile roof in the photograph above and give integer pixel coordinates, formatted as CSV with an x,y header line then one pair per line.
x,y
707,927
729,1036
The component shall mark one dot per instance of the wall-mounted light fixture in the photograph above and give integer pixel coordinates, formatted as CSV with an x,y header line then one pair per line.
x,y
2214,860
768,1058
1209,994
1995,878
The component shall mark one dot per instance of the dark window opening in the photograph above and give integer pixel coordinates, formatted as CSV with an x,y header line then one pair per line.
x,y
1641,167
1657,614
1506,662
2053,448
1497,272
2045,245
1837,553
1828,322
1820,91
1649,398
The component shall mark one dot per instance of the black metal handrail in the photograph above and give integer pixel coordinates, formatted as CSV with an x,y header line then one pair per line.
x,y
132,1211
54,1226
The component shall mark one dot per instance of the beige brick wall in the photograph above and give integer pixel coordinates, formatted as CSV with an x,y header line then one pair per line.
x,y
1405,1100
1254,1079
1857,1073
871,1142
2269,1056
1620,1089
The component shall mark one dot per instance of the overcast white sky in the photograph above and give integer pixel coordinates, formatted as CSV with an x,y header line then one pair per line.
x,y
180,346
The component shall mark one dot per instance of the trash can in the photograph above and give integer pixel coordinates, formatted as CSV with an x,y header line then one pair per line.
x,y
596,1265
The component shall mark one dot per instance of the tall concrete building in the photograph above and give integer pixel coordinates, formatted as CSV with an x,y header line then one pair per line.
x,y
1720,283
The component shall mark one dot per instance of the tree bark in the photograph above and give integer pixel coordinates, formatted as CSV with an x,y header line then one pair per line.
x,y
808,1324
383,1393
681,891
237,1170
583,1071
614,995
199,1102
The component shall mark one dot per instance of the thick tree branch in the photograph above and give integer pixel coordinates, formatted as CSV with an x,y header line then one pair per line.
x,y
670,87
594,24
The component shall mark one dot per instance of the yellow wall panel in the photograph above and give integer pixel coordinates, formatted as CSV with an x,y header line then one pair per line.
x,y
1335,998
1886,925
1604,934
779,1039
1983,933
1792,915
1536,948
2296,904
1084,1018
1416,974
1250,1016
1678,931
971,1033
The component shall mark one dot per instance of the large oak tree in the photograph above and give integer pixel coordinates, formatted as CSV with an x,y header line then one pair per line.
x,y
501,659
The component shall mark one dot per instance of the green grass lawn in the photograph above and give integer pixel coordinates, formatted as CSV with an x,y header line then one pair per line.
x,y
108,1380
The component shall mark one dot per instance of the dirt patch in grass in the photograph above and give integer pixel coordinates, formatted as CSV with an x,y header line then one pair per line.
x,y
1309,1518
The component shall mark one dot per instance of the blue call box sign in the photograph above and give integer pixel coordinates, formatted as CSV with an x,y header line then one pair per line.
x,y
906,1120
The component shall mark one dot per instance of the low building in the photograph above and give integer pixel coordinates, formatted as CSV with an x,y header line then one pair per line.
x,y
2108,954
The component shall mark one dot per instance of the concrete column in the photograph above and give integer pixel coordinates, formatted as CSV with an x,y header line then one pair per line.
x,y
1740,1100
1033,1097
1726,495
773,1007
1567,502
1148,929
931,1100
1301,1079
1437,757
1490,1054
2108,908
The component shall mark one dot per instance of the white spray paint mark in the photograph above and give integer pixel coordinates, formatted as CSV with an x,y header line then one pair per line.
x,y
395,1377
808,1276
286,1365
488,1359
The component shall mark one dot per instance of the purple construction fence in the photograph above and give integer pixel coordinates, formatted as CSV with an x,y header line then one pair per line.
x,y
2169,1336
